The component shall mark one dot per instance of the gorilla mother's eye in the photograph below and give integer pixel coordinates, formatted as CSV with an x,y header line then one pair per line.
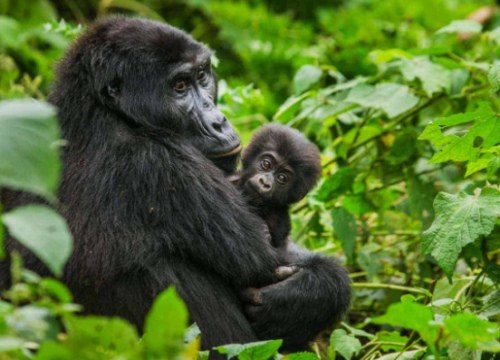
x,y
180,86
201,74
266,164
282,178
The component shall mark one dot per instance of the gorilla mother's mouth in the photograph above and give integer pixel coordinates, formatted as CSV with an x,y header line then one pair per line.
x,y
234,151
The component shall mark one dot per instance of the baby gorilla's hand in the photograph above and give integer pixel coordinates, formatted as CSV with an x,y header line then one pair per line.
x,y
253,296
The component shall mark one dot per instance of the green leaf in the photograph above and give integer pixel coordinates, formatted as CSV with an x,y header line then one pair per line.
x,y
393,99
434,77
358,204
461,26
484,134
413,316
10,343
253,351
94,338
345,344
165,325
34,324
301,356
457,351
192,333
404,146
336,184
471,331
392,337
56,289
43,231
29,157
344,225
307,76
494,77
460,219
290,107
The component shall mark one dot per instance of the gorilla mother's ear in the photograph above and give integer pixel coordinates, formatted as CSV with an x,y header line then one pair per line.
x,y
111,92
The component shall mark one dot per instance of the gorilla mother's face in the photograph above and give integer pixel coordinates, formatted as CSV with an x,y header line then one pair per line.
x,y
158,77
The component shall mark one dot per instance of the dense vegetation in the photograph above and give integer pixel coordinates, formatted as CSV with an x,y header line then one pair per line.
x,y
401,98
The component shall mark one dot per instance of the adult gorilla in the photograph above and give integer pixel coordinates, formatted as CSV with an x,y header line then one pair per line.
x,y
148,209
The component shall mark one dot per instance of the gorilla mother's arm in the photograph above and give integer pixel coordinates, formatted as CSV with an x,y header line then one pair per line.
x,y
189,204
298,308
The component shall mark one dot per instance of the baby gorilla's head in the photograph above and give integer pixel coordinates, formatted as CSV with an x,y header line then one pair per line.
x,y
280,166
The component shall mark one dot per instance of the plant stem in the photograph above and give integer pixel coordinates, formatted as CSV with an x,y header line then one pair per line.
x,y
392,287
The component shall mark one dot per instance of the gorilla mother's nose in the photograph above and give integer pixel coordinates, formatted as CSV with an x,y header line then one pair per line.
x,y
219,122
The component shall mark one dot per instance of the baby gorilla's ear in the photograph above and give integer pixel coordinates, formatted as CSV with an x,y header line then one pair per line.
x,y
234,179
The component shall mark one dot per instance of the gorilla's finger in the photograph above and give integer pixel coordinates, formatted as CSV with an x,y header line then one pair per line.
x,y
252,296
284,272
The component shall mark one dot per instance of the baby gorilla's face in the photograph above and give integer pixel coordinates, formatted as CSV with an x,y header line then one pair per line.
x,y
269,179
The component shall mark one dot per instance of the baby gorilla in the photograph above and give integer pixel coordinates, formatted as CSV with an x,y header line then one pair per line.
x,y
279,167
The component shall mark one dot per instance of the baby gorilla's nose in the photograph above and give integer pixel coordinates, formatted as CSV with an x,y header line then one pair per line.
x,y
264,182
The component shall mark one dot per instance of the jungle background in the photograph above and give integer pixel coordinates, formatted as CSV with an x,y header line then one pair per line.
x,y
401,98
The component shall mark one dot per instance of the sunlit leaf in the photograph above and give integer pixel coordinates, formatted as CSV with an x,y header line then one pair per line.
x,y
43,231
460,219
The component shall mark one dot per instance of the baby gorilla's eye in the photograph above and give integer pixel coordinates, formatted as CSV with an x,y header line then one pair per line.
x,y
180,86
265,164
282,178
201,74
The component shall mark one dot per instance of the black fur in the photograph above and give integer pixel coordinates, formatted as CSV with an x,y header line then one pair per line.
x,y
148,210
293,151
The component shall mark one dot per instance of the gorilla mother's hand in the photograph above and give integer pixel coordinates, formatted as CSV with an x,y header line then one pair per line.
x,y
312,295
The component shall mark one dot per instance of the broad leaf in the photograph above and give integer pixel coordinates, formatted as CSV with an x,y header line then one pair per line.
x,y
43,231
461,26
412,316
29,136
484,134
494,77
94,338
307,76
344,225
460,327
460,219
434,77
345,344
165,325
393,99
252,351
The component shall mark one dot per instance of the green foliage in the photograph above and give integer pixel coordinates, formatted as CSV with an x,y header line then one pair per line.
x,y
402,103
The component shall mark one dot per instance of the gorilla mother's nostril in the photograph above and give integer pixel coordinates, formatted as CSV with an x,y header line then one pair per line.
x,y
217,126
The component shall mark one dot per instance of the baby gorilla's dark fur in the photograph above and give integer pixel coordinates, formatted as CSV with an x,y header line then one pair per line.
x,y
280,166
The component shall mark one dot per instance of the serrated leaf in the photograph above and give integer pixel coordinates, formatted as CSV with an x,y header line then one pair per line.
x,y
306,76
29,137
393,99
301,356
484,134
165,325
434,77
494,77
345,344
44,232
344,225
93,337
461,26
252,351
460,326
412,316
391,337
460,219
